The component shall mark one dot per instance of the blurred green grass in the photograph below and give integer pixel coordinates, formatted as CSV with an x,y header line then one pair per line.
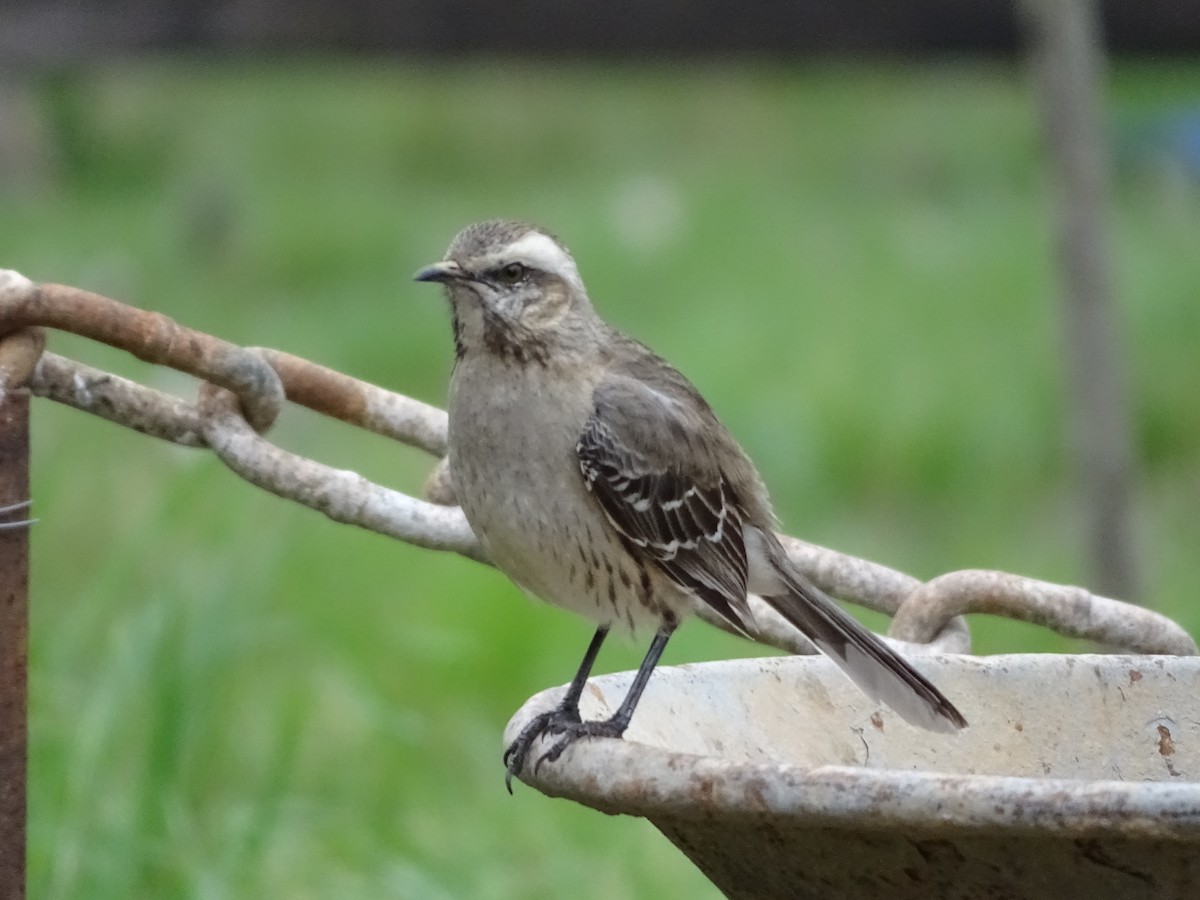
x,y
232,696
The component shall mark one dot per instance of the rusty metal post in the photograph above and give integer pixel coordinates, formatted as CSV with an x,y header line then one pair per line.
x,y
14,643
18,353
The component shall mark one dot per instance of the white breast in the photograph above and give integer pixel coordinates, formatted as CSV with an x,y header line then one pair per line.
x,y
517,477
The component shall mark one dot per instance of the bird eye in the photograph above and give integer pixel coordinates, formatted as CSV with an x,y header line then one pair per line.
x,y
511,274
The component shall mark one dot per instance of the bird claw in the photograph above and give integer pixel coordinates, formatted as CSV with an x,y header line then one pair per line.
x,y
565,723
554,721
607,728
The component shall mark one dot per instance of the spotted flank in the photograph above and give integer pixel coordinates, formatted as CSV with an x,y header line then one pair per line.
x,y
690,531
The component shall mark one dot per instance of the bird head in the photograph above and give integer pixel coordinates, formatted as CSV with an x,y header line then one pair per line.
x,y
514,290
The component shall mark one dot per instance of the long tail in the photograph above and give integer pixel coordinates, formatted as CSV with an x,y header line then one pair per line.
x,y
875,667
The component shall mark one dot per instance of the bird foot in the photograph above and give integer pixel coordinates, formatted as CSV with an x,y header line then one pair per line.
x,y
554,721
564,723
608,728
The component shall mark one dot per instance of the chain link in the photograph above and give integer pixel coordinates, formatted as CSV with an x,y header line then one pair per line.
x,y
242,391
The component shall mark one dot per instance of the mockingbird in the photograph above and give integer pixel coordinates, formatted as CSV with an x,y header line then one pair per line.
x,y
598,479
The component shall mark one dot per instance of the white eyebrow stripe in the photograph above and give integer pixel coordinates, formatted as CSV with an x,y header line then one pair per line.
x,y
540,251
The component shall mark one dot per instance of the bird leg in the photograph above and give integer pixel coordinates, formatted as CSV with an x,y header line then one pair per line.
x,y
557,719
614,727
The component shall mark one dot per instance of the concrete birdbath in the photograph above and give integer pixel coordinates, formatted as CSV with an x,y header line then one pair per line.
x,y
1079,776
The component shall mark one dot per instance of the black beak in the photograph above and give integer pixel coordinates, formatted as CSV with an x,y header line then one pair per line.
x,y
440,272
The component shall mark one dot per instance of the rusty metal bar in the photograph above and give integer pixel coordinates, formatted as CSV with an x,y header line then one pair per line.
x,y
18,353
341,495
260,387
117,399
149,336
1070,611
262,378
359,403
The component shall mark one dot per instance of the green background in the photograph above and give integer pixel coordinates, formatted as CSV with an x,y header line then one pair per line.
x,y
234,697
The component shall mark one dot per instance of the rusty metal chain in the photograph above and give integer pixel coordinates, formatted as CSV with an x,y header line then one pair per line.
x,y
242,390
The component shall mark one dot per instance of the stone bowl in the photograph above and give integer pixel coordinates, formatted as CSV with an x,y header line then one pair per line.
x,y
1079,776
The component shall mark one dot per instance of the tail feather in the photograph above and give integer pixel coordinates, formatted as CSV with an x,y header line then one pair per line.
x,y
875,667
